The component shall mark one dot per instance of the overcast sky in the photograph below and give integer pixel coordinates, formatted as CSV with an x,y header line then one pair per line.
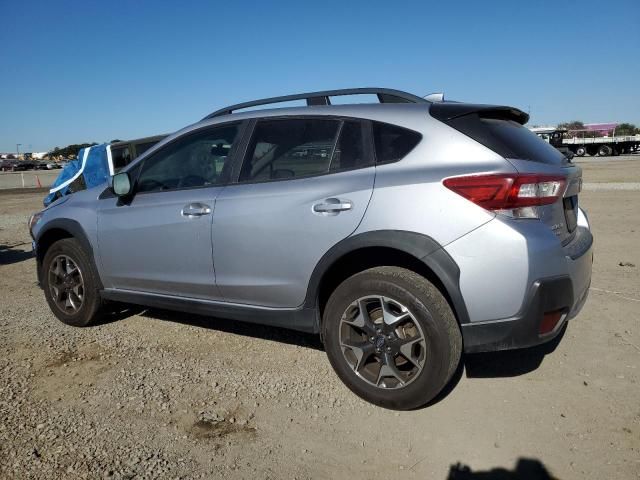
x,y
81,71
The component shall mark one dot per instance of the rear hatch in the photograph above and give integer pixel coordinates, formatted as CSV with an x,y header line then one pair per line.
x,y
501,129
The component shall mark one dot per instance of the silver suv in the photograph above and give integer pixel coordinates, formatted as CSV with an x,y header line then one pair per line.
x,y
403,232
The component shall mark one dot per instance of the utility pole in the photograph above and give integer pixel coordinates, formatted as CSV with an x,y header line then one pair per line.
x,y
18,149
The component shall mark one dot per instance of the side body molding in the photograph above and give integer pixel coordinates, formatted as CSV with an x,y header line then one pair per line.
x,y
423,248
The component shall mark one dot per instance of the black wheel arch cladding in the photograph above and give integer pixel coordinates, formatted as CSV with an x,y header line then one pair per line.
x,y
58,228
422,248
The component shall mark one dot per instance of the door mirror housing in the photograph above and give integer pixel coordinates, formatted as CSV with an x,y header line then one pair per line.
x,y
121,184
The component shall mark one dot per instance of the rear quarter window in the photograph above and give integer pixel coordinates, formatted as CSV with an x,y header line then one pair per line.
x,y
393,143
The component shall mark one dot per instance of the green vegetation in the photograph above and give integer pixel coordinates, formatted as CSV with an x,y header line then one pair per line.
x,y
627,129
574,125
70,151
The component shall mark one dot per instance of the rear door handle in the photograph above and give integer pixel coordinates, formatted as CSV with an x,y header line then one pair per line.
x,y
196,209
333,205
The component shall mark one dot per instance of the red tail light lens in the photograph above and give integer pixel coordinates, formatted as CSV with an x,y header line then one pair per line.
x,y
507,191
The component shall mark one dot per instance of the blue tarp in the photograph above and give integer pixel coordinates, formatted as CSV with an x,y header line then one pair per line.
x,y
91,168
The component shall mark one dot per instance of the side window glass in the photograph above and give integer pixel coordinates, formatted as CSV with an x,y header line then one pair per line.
x,y
143,147
197,160
120,156
349,152
283,149
392,142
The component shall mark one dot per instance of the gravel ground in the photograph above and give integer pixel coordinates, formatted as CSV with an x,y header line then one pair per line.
x,y
154,394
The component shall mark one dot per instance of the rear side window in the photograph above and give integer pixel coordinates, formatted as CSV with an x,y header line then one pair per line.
x,y
350,152
507,138
282,149
393,142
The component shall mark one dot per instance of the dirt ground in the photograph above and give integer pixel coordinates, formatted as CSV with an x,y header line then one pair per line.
x,y
153,394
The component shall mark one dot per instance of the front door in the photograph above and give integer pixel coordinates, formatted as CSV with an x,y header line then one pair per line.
x,y
160,242
304,186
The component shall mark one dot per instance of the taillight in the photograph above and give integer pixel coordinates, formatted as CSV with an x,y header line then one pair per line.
x,y
509,192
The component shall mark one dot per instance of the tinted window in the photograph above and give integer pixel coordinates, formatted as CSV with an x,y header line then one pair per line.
x,y
143,147
120,156
349,152
511,140
392,142
197,160
292,148
507,138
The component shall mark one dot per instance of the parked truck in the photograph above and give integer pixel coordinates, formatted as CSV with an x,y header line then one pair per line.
x,y
603,146
581,145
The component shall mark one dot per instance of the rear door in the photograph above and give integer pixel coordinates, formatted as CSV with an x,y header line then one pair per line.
x,y
303,186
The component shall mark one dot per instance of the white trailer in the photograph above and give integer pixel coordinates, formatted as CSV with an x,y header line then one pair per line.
x,y
603,146
583,145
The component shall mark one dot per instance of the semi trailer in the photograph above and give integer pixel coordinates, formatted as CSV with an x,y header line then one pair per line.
x,y
582,145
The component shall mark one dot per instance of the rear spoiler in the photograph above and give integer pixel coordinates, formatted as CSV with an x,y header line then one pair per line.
x,y
447,111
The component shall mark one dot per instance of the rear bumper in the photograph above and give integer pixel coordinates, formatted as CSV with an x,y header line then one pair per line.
x,y
522,331
566,293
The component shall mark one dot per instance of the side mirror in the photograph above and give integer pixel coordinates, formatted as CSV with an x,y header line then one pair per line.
x,y
121,184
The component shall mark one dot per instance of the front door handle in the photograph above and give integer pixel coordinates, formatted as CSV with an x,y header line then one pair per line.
x,y
196,209
333,205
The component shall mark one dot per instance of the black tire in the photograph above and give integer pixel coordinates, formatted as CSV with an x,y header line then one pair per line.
x,y
605,151
91,304
580,151
430,310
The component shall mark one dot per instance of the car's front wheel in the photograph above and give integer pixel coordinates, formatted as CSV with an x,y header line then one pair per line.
x,y
70,283
391,337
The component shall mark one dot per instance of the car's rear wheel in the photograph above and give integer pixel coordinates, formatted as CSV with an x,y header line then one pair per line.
x,y
70,283
391,337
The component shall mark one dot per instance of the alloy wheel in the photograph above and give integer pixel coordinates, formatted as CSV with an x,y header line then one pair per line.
x,y
66,284
382,342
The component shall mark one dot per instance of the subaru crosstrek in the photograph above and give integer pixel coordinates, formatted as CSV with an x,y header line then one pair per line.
x,y
404,232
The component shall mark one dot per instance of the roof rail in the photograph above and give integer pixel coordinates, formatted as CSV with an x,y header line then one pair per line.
x,y
385,95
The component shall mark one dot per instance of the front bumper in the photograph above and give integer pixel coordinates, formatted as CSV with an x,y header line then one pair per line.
x,y
34,248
